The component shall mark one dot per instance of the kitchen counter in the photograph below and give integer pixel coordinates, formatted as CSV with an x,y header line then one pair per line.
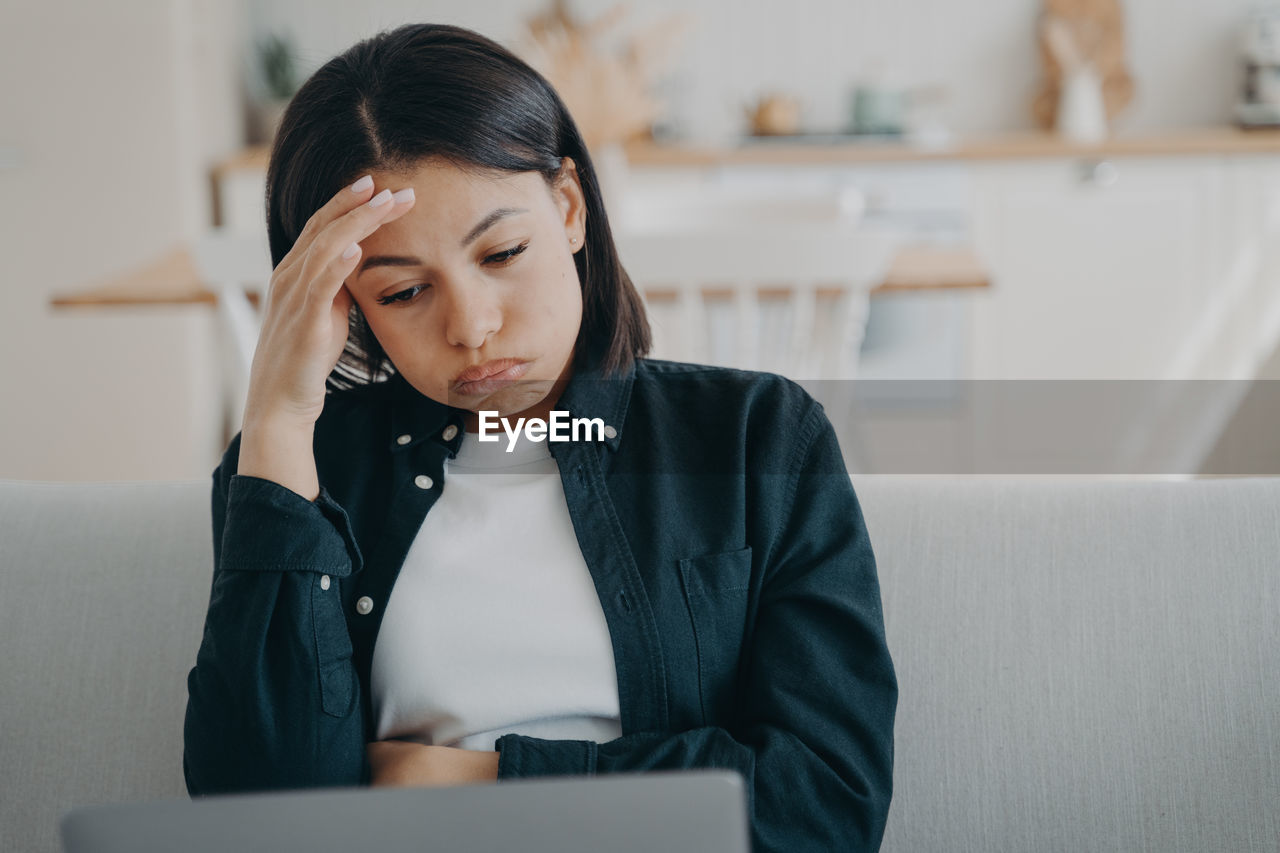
x,y
829,149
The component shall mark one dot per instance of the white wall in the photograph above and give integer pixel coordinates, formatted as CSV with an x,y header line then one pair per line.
x,y
113,113
1182,52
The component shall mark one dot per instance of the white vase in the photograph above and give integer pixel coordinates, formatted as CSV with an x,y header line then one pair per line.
x,y
1082,112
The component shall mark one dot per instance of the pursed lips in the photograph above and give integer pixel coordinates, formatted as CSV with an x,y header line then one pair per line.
x,y
480,372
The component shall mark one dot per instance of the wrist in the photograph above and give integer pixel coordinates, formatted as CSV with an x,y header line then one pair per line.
x,y
280,451
273,421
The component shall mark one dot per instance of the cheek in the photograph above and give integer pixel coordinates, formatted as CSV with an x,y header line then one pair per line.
x,y
389,334
569,292
563,306
559,296
375,324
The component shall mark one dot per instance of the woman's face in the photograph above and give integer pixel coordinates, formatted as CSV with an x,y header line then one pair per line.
x,y
480,270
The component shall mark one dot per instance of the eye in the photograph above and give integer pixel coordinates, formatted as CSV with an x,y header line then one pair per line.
x,y
403,296
499,259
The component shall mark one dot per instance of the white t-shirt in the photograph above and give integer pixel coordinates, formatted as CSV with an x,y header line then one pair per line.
x,y
494,625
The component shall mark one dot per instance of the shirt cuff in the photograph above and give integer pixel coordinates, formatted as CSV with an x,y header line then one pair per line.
x,y
274,529
521,756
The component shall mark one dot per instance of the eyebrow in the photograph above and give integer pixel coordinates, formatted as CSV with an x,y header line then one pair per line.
x,y
474,234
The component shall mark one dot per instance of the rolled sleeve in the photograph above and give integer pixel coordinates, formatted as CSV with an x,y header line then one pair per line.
x,y
263,519
273,700
520,756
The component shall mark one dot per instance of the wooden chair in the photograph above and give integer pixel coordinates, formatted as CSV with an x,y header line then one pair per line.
x,y
235,264
788,298
783,288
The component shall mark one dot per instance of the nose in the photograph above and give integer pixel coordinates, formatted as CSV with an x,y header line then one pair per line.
x,y
472,315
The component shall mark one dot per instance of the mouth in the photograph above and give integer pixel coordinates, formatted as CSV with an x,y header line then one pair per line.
x,y
487,377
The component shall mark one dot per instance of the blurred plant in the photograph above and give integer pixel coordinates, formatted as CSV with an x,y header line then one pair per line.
x,y
609,93
279,68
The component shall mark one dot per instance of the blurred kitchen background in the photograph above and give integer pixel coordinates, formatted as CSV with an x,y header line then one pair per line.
x,y
1067,208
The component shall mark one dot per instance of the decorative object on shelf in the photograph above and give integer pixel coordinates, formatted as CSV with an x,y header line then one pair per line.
x,y
879,110
774,115
1259,104
1082,47
278,66
609,92
880,105
1082,115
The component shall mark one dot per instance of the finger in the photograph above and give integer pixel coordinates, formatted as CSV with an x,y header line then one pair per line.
x,y
337,251
343,201
359,223
359,195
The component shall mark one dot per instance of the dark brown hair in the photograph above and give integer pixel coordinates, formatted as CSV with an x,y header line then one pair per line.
x,y
433,91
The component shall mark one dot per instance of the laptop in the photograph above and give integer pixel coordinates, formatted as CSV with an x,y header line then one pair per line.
x,y
699,811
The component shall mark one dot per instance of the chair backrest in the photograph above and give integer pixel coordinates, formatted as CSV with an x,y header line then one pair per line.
x,y
234,264
779,285
788,297
660,205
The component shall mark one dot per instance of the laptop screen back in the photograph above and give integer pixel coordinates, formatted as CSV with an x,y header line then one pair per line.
x,y
696,810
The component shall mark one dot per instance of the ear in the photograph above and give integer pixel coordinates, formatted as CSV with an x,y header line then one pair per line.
x,y
567,192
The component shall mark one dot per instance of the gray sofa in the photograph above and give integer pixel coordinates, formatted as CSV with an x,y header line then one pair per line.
x,y
1084,665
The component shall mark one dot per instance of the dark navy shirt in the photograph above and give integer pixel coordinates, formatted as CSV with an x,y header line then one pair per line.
x,y
725,542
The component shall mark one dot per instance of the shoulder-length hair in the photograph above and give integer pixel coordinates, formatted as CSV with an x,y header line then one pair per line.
x,y
433,91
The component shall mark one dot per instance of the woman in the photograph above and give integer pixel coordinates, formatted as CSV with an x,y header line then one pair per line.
x,y
689,586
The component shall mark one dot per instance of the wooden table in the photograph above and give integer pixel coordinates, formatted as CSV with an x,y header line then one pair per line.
x,y
173,280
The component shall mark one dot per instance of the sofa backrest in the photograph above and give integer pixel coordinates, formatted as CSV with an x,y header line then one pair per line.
x,y
1082,665
103,589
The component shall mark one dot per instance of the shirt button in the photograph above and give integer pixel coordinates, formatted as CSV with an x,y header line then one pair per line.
x,y
610,432
449,432
422,481
364,605
324,581
404,439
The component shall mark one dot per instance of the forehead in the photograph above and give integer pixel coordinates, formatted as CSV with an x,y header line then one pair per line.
x,y
443,189
449,202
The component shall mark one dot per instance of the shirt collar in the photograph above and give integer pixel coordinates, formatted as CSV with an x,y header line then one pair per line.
x,y
415,418
590,393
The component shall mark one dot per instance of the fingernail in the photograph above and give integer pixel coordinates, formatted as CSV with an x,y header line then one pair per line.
x,y
351,251
380,199
362,184
403,195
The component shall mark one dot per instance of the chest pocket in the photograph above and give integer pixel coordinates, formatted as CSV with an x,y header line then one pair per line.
x,y
715,589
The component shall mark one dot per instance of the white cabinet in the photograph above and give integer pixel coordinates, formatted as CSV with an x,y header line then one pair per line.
x,y
1100,269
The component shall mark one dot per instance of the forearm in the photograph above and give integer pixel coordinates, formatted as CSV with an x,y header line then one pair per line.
x,y
797,801
273,701
255,718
